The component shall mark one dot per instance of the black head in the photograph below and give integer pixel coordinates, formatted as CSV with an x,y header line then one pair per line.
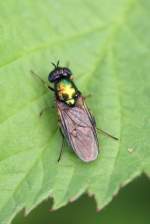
x,y
58,73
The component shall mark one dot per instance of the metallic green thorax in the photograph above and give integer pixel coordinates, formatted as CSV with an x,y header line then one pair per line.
x,y
66,91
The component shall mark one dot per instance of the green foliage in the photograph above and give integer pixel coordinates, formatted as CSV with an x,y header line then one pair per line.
x,y
107,45
130,206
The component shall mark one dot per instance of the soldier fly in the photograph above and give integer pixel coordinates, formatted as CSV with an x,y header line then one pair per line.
x,y
76,122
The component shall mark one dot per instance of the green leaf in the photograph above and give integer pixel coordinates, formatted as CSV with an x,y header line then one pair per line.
x,y
107,45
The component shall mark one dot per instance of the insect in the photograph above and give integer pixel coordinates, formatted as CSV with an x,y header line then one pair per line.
x,y
76,122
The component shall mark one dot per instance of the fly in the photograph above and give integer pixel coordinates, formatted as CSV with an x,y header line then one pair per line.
x,y
77,124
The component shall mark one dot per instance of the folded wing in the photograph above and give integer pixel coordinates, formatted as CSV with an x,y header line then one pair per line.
x,y
80,131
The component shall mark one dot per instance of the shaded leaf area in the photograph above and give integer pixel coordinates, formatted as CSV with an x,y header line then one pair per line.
x,y
134,197
107,45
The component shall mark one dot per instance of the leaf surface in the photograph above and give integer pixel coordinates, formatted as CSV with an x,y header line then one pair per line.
x,y
107,45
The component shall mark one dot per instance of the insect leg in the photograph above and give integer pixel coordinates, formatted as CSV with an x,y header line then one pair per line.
x,y
88,95
93,120
51,88
44,110
105,133
62,146
100,130
44,83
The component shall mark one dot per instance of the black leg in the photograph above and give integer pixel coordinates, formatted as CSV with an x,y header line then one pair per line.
x,y
44,110
87,96
62,146
51,88
43,82
105,133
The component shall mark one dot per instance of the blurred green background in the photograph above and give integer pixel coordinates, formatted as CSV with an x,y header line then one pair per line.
x,y
131,205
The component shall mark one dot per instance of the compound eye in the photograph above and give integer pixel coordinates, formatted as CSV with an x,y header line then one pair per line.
x,y
50,78
67,72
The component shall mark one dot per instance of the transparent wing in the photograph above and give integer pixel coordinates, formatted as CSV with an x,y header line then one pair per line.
x,y
77,126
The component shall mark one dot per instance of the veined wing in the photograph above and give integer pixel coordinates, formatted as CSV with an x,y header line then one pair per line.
x,y
77,126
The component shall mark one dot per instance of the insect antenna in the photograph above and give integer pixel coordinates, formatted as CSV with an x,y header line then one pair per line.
x,y
37,76
55,65
42,81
